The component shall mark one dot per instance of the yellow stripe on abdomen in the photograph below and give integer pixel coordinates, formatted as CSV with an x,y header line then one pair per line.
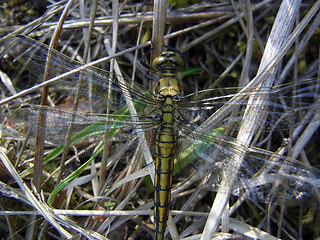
x,y
165,153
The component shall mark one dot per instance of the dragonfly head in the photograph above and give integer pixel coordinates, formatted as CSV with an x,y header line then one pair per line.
x,y
168,63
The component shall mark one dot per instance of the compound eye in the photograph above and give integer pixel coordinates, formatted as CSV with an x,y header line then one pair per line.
x,y
158,62
176,59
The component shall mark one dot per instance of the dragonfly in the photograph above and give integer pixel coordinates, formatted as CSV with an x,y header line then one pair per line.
x,y
180,120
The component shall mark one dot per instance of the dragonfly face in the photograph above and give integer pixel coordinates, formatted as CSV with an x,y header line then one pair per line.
x,y
168,64
182,118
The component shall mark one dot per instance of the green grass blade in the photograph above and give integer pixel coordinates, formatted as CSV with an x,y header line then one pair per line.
x,y
65,182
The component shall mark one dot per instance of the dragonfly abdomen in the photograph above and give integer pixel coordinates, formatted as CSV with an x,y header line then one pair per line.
x,y
167,95
166,139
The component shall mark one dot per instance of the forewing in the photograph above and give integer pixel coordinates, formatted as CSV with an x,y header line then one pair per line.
x,y
285,106
89,82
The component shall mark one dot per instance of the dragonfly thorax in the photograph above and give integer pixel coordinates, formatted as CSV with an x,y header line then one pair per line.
x,y
167,86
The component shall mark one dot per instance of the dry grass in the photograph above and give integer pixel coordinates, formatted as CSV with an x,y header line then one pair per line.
x,y
224,47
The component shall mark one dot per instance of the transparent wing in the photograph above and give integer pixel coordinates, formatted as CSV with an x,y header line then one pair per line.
x,y
94,86
92,125
211,152
90,83
285,105
263,176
